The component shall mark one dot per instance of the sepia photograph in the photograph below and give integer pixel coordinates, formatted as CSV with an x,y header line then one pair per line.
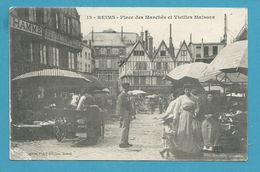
x,y
128,83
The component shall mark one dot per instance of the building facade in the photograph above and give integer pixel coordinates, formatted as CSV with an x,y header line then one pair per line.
x,y
136,69
162,63
205,52
184,55
109,48
85,61
43,38
145,68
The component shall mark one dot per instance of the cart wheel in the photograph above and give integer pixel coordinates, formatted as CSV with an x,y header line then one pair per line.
x,y
59,132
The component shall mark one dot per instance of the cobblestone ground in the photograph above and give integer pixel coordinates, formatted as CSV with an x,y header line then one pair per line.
x,y
145,135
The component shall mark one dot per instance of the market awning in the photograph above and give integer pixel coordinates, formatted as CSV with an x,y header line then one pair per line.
x,y
232,58
51,78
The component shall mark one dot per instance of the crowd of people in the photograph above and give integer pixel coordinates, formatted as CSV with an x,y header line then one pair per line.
x,y
189,126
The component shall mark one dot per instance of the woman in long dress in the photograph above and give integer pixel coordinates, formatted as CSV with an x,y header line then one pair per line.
x,y
185,109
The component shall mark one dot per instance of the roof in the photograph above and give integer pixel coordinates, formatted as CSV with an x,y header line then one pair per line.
x,y
131,52
112,38
243,33
183,44
157,51
209,43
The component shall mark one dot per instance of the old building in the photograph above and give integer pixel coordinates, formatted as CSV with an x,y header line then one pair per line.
x,y
184,55
145,68
109,47
85,61
207,51
43,38
136,69
162,63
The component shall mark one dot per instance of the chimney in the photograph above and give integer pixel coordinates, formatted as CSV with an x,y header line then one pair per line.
x,y
90,43
225,29
146,40
92,35
171,48
122,34
142,36
150,46
202,48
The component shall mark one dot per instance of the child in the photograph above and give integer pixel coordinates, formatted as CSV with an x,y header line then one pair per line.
x,y
169,133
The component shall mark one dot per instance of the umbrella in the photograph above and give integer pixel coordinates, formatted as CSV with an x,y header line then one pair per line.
x,y
54,77
95,84
152,96
186,71
224,77
232,58
214,88
235,95
136,92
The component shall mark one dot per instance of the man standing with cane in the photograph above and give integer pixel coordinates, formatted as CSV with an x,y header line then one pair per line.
x,y
124,111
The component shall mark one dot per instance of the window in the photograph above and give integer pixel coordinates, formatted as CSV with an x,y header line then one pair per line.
x,y
122,51
89,68
71,60
109,51
143,80
215,50
56,55
165,66
31,52
138,53
103,51
159,65
32,14
43,59
206,51
115,51
183,52
136,80
109,76
86,55
141,66
57,20
97,63
97,51
162,53
198,52
39,15
109,65
99,75
102,63
68,25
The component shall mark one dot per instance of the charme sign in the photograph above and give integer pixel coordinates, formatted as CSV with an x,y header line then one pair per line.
x,y
25,26
59,38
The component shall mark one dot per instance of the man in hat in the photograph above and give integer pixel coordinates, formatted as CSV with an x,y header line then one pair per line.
x,y
124,111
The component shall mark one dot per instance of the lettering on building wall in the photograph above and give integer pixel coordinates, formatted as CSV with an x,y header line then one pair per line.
x,y
25,26
59,38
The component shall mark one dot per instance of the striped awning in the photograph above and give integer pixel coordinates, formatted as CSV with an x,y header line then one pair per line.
x,y
51,73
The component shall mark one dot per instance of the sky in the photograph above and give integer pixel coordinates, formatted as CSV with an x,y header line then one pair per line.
x,y
209,29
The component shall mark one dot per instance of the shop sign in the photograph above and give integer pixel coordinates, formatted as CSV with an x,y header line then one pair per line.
x,y
159,72
25,26
62,39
